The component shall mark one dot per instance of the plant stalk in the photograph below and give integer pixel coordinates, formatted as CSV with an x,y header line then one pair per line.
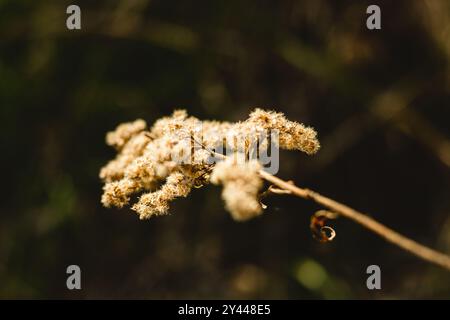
x,y
388,234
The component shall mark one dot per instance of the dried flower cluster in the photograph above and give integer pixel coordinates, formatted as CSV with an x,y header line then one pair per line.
x,y
241,185
181,152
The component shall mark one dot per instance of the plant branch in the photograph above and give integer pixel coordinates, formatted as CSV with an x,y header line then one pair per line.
x,y
388,234
413,247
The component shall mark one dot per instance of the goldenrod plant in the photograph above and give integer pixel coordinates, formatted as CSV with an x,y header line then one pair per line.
x,y
180,152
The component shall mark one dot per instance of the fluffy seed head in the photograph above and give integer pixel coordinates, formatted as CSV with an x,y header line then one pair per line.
x,y
241,185
179,153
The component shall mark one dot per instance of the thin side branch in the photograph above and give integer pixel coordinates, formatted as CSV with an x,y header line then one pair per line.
x,y
388,234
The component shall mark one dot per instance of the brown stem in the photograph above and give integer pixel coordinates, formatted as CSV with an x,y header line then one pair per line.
x,y
390,235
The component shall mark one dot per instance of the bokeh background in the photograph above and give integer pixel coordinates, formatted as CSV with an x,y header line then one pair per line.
x,y
379,100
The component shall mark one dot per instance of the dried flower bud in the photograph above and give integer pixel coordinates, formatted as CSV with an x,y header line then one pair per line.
x,y
292,135
133,148
241,184
124,132
157,203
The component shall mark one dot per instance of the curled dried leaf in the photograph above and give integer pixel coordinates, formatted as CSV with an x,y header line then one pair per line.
x,y
319,229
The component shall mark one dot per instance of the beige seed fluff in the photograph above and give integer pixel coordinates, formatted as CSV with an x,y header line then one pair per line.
x,y
241,185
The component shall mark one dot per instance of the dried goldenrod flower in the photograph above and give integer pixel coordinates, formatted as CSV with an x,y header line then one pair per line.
x,y
241,185
133,148
180,153
157,203
292,135
124,132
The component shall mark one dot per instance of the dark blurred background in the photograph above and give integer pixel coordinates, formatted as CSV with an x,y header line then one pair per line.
x,y
379,100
